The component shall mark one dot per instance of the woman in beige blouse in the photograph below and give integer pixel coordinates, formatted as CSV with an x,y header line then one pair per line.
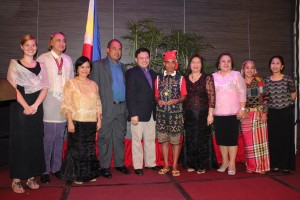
x,y
82,106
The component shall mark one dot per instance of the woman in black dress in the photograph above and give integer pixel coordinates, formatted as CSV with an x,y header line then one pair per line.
x,y
26,151
198,114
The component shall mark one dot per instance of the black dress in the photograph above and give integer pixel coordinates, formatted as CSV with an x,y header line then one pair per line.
x,y
201,96
26,150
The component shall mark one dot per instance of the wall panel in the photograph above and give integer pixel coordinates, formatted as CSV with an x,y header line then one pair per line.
x,y
224,23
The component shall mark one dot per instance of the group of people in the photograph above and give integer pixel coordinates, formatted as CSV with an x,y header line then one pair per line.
x,y
55,101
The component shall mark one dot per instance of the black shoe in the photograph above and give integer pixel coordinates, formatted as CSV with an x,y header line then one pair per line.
x,y
123,169
57,174
155,168
45,178
105,173
138,172
286,171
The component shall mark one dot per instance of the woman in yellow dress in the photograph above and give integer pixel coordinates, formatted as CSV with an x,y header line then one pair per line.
x,y
82,106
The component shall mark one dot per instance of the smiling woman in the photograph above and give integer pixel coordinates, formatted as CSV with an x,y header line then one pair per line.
x,y
82,107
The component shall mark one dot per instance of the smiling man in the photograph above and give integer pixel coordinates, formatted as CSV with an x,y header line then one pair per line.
x,y
141,111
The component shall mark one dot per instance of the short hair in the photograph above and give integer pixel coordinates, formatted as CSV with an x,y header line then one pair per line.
x,y
189,70
224,54
114,40
52,36
26,38
80,61
278,57
139,50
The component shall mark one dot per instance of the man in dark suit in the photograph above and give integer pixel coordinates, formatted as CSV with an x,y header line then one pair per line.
x,y
108,73
141,107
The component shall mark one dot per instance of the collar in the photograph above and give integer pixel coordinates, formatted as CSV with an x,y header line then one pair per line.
x,y
165,73
144,69
112,62
54,54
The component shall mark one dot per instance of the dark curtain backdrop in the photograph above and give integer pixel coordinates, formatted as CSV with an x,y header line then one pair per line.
x,y
242,27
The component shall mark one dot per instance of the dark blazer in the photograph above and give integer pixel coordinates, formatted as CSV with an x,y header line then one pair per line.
x,y
140,98
101,74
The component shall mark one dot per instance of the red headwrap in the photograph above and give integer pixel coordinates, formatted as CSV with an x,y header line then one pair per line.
x,y
171,55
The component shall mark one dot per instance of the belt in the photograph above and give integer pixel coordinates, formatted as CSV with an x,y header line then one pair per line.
x,y
118,102
256,109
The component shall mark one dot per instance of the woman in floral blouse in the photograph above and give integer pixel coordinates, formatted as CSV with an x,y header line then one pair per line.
x,y
254,126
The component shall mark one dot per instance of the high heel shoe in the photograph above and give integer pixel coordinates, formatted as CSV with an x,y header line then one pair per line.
x,y
222,169
231,173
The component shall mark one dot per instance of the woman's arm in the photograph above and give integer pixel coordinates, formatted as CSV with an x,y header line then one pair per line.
x,y
40,99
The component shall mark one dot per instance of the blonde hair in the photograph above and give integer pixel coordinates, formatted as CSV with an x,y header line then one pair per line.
x,y
26,38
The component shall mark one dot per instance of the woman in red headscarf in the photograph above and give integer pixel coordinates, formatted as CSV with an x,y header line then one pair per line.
x,y
254,126
170,92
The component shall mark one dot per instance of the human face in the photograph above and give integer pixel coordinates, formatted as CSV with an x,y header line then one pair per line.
x,y
225,63
114,52
249,69
84,70
276,65
170,66
196,65
143,59
29,48
58,43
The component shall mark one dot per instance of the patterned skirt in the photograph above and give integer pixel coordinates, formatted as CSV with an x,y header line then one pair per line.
x,y
256,148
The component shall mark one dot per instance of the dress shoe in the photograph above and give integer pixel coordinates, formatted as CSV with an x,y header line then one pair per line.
x,y
105,173
222,169
155,168
123,169
231,173
57,174
45,178
138,172
286,171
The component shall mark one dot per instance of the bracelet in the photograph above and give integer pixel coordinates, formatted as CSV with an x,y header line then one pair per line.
x,y
242,108
210,114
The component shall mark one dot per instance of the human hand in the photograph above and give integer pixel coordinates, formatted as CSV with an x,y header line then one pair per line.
x,y
71,127
264,117
99,124
241,114
172,102
28,110
161,103
135,120
210,120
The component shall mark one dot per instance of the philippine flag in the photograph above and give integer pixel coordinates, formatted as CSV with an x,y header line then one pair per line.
x,y
91,46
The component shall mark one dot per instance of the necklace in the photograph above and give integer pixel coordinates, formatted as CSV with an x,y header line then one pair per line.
x,y
195,76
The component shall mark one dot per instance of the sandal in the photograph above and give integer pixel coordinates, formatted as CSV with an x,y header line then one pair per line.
x,y
78,182
17,187
164,170
32,184
200,171
190,169
93,180
176,173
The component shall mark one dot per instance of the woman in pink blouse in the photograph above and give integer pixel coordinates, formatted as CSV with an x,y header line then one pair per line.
x,y
229,110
